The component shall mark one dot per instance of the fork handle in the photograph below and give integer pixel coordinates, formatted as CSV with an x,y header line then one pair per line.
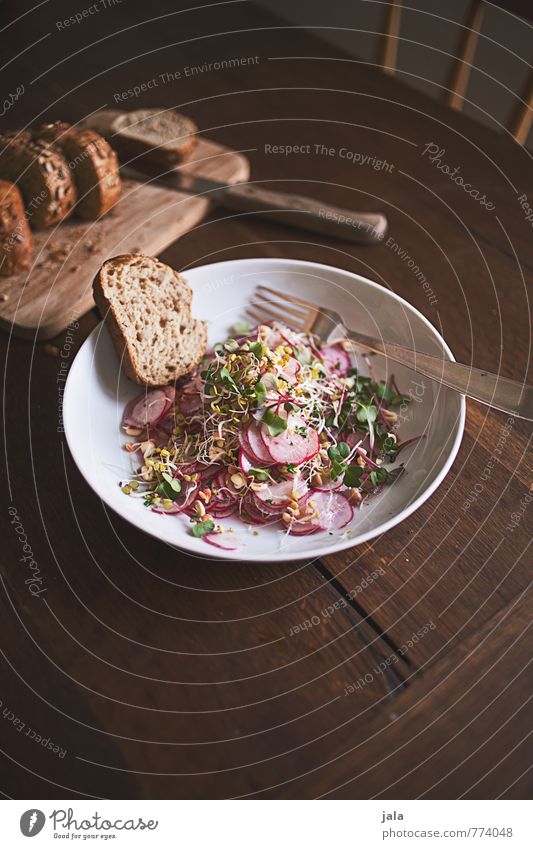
x,y
307,213
492,389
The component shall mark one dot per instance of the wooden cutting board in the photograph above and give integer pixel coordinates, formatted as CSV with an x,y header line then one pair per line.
x,y
57,289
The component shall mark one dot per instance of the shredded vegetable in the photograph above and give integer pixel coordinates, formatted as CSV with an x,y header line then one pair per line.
x,y
272,428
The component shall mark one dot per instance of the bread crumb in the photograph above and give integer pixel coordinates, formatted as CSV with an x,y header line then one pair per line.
x,y
51,350
57,254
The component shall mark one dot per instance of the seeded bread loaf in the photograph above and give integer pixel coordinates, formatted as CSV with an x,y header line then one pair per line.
x,y
42,175
147,308
16,241
54,132
167,136
93,163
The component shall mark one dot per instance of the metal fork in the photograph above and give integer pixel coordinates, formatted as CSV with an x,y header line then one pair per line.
x,y
492,389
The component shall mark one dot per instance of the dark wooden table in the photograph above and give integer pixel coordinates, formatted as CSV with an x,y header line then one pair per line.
x,y
155,674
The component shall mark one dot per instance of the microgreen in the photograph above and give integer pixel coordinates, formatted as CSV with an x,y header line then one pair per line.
x,y
172,482
367,413
200,529
260,393
270,381
258,474
337,454
257,349
231,346
386,394
379,476
227,379
352,475
242,328
276,424
169,487
304,357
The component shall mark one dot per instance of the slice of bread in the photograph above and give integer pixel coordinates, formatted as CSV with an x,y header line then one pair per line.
x,y
147,308
167,136
42,175
16,241
93,163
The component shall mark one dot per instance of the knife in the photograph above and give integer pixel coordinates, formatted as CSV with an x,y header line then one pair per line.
x,y
295,210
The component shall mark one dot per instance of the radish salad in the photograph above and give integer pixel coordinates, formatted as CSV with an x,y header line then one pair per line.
x,y
272,428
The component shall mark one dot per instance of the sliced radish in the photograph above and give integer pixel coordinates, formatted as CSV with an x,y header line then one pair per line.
x,y
222,511
270,510
190,403
290,369
167,424
189,468
280,494
304,528
170,393
147,409
219,542
254,435
192,387
251,513
272,338
336,360
334,510
245,446
290,446
330,486
168,511
245,462
207,473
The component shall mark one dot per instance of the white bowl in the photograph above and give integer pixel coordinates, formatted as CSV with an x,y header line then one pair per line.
x,y
96,393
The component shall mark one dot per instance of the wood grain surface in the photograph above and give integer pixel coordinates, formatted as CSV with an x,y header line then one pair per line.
x,y
398,669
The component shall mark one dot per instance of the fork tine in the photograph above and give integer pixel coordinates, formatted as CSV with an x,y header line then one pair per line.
x,y
262,302
262,314
260,317
284,296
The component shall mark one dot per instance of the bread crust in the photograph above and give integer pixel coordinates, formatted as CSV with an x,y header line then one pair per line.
x,y
121,341
41,174
132,147
16,240
53,133
93,163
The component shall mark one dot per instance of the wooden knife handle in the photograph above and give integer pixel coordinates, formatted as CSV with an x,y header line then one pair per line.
x,y
307,213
